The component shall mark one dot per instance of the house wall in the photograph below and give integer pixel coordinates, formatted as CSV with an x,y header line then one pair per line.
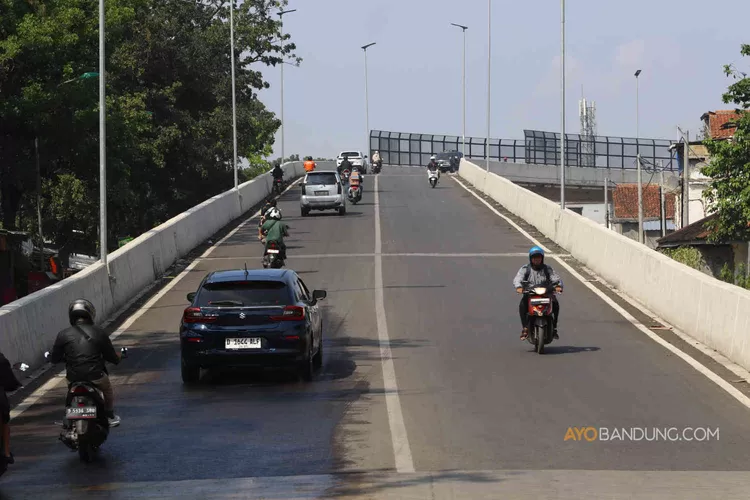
x,y
630,230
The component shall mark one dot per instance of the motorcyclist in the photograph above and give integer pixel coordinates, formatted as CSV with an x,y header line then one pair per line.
x,y
9,383
345,164
270,203
309,164
376,158
356,178
536,272
277,173
275,230
433,165
85,348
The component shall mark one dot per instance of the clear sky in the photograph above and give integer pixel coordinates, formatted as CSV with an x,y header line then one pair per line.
x,y
415,68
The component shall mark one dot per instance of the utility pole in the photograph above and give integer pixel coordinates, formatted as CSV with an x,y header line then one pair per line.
x,y
606,202
663,206
685,178
39,203
641,237
562,90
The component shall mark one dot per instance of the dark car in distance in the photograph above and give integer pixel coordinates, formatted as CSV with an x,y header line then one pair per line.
x,y
255,318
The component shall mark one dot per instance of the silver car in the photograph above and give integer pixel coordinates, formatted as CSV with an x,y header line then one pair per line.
x,y
322,190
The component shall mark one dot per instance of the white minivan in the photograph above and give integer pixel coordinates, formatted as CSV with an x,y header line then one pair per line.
x,y
322,190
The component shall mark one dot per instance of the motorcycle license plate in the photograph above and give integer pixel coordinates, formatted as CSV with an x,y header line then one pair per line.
x,y
271,250
80,412
250,343
540,301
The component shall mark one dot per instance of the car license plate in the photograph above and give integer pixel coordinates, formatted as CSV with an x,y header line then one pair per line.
x,y
321,193
81,412
250,343
271,250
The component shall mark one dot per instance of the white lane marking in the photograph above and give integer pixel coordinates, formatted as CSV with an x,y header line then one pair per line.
x,y
401,449
39,393
702,369
342,255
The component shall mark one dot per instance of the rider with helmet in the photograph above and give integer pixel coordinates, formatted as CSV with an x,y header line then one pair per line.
x,y
275,230
433,165
536,272
376,158
356,179
85,348
270,203
309,164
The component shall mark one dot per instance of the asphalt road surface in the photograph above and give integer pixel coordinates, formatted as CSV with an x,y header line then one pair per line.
x,y
426,390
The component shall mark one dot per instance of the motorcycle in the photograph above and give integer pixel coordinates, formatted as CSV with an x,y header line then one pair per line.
x,y
540,314
432,175
85,426
354,194
345,176
278,185
377,166
272,256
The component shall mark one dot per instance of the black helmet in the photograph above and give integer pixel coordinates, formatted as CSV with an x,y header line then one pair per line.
x,y
81,309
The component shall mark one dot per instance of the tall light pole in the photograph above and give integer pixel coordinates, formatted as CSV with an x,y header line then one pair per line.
x,y
638,161
281,30
489,76
463,28
367,101
562,119
102,144
234,95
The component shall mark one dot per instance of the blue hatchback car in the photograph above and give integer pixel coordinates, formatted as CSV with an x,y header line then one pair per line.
x,y
256,318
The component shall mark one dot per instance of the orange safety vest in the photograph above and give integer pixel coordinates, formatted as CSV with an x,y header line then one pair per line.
x,y
309,166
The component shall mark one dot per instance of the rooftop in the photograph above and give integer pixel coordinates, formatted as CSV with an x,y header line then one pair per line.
x,y
721,123
625,202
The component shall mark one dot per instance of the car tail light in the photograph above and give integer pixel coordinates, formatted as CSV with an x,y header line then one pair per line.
x,y
291,337
338,187
291,313
195,315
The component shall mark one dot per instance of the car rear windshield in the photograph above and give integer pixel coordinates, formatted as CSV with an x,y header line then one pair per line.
x,y
244,293
349,153
444,156
323,178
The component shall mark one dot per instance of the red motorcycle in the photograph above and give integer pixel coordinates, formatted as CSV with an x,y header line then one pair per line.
x,y
540,315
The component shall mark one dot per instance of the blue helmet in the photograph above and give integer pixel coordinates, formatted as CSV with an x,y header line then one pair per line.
x,y
536,251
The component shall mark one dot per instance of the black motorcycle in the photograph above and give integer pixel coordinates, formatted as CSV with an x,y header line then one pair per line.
x,y
272,256
278,185
85,426
377,166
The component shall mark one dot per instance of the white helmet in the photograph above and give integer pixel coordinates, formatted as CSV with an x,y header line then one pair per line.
x,y
273,213
433,157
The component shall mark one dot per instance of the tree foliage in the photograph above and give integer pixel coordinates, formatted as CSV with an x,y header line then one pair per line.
x,y
169,108
729,168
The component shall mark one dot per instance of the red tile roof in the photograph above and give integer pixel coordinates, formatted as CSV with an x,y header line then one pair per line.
x,y
625,200
720,123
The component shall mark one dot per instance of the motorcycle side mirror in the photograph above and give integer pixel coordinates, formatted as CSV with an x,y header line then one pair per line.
x,y
124,352
191,297
46,355
21,366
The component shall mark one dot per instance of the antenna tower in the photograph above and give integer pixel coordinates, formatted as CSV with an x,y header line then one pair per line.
x,y
587,114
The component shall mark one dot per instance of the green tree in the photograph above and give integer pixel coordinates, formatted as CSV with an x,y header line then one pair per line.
x,y
169,119
729,168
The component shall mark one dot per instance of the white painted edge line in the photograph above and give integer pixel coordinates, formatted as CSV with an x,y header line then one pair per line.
x,y
399,438
39,393
358,255
739,396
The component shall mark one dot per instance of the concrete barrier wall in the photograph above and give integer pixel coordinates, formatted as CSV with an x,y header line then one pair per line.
x,y
574,176
713,312
28,326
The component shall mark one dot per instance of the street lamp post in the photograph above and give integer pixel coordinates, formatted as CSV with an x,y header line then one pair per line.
x,y
234,96
638,161
489,76
367,101
102,143
281,15
463,28
562,91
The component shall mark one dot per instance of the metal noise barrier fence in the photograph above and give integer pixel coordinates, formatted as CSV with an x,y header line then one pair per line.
x,y
538,147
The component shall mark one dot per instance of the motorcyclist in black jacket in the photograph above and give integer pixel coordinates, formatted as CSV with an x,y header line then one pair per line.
x,y
345,164
278,172
9,383
85,348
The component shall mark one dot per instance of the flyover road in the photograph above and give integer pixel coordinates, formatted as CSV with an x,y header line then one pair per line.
x,y
426,390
